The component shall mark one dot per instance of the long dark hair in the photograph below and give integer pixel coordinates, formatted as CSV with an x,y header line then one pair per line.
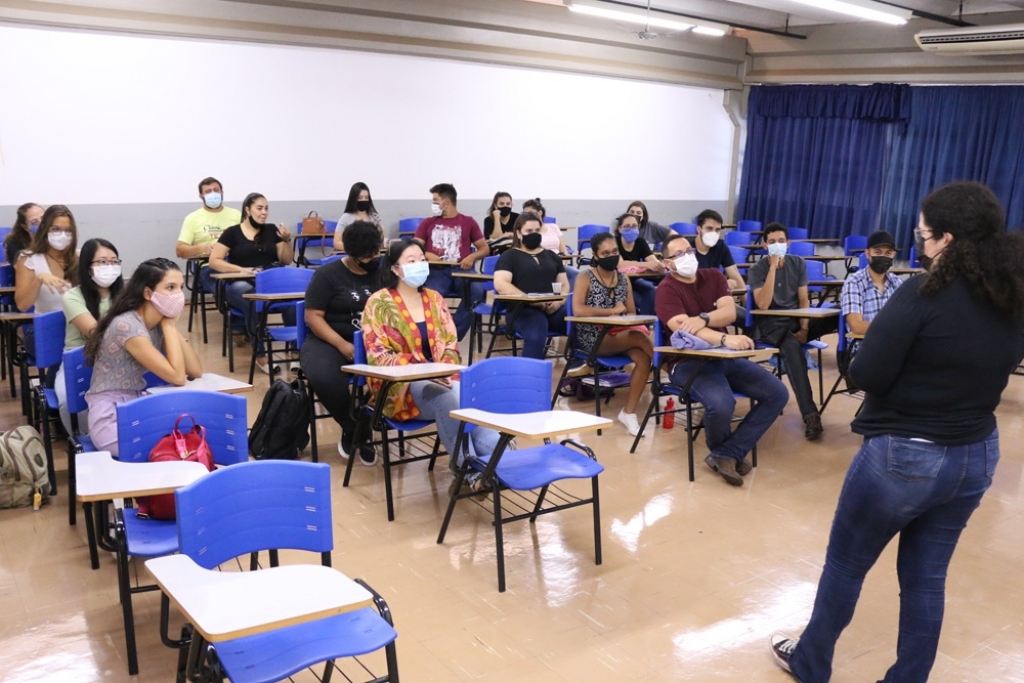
x,y
982,252
20,227
149,274
394,253
643,207
40,243
353,197
264,235
90,290
494,202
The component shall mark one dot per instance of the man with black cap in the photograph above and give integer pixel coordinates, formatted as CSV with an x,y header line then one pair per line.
x,y
867,290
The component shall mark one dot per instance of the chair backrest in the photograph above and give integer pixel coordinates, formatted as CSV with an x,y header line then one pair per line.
x,y
359,357
7,275
77,378
300,323
863,261
409,224
914,263
739,255
735,238
749,321
253,506
841,343
801,248
330,226
684,228
816,270
144,421
748,226
49,333
854,242
797,233
281,281
331,259
585,232
550,219
485,385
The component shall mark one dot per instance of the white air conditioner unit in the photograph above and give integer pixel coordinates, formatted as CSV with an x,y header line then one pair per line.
x,y
1007,39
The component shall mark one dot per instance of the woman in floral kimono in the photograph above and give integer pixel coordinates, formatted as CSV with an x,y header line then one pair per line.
x,y
408,323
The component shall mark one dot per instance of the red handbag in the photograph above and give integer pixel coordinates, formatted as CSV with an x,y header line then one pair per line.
x,y
177,446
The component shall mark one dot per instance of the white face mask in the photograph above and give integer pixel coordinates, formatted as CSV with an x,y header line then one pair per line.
x,y
686,265
104,276
435,208
710,239
59,240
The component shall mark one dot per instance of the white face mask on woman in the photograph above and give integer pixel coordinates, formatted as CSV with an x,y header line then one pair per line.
x,y
59,240
104,276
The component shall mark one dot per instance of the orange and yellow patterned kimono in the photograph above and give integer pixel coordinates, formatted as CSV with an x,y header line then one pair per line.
x,y
392,338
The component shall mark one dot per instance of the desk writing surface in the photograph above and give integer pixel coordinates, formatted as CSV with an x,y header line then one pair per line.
x,y
539,425
16,317
228,605
233,276
824,258
612,320
906,271
7,289
277,296
404,373
799,312
100,477
208,382
715,352
472,275
826,283
854,335
530,298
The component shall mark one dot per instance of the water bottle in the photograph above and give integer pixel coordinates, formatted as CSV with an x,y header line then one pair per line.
x,y
669,420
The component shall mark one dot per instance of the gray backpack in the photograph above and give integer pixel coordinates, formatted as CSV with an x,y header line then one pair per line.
x,y
22,468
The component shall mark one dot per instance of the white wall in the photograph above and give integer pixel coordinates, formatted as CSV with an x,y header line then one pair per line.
x,y
94,118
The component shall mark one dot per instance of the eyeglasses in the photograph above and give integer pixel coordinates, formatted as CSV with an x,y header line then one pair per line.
x,y
107,262
919,234
62,231
689,251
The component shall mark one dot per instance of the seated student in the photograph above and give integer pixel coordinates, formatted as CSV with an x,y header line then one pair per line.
x,y
448,236
529,268
635,255
20,236
867,290
653,233
604,291
359,207
408,323
335,299
551,237
779,281
137,335
499,223
203,227
99,272
698,301
252,245
47,269
712,252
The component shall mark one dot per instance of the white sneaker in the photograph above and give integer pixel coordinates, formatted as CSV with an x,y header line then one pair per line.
x,y
629,420
341,451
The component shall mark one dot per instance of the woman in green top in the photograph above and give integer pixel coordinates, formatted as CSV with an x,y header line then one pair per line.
x,y
99,271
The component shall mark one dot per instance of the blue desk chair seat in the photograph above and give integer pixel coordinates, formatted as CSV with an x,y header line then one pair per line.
x,y
273,505
486,386
276,281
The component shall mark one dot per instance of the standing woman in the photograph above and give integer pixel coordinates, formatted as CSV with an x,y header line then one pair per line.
x,y
252,245
99,272
930,439
607,292
137,335
499,223
359,207
408,323
20,236
635,255
529,268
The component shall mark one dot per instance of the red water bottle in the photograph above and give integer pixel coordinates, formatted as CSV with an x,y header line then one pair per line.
x,y
669,421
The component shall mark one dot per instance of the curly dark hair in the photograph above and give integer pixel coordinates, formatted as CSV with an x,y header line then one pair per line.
x,y
362,239
982,252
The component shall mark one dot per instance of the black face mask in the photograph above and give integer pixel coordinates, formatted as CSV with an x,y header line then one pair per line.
x,y
926,261
370,266
505,211
607,263
362,205
253,223
880,264
532,240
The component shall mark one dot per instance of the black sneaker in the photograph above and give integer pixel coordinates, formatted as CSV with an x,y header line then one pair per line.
x,y
367,454
782,649
812,427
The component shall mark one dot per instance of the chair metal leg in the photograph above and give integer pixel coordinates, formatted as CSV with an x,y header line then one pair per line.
x,y
72,484
90,532
124,586
689,435
386,456
434,452
597,519
499,537
44,421
540,501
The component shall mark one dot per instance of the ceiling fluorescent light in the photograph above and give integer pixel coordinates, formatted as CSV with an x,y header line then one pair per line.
x,y
653,21
709,30
861,9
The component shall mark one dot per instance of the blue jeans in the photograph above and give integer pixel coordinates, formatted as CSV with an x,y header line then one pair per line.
x,y
441,280
643,295
436,403
925,493
533,325
206,280
715,387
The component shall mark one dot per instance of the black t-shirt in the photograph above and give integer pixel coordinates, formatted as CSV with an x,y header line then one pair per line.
x,y
641,250
341,295
247,253
531,273
506,228
718,256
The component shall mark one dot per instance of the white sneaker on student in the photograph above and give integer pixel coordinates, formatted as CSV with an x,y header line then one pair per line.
x,y
629,420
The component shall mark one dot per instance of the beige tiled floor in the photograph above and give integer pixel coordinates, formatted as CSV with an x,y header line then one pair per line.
x,y
695,576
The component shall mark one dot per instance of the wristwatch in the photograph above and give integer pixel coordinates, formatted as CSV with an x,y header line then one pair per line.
x,y
706,317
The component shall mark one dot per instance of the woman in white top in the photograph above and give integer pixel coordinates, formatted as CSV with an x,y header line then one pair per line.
x,y
359,207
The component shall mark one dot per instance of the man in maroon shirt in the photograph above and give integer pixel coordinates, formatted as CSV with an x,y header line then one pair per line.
x,y
448,237
699,302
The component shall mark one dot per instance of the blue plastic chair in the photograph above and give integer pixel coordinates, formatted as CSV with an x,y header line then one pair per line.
x,y
77,378
748,226
797,233
384,425
49,331
914,262
687,229
863,261
735,238
326,246
550,219
273,505
583,235
816,272
739,255
276,281
843,349
800,248
140,424
852,242
486,386
483,311
407,226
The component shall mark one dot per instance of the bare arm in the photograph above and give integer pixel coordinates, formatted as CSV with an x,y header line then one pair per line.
x,y
84,323
169,367
732,273
856,323
186,250
503,283
318,324
764,294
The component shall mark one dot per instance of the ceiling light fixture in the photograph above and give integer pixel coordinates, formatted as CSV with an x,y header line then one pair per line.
x,y
709,30
862,9
651,20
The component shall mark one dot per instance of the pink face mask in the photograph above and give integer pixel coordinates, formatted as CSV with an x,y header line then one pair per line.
x,y
168,305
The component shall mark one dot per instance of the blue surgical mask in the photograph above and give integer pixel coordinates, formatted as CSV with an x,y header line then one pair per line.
x,y
777,249
213,199
629,235
415,274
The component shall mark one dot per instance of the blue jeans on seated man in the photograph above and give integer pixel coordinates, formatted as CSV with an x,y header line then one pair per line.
x,y
441,280
533,325
436,403
925,493
234,294
715,388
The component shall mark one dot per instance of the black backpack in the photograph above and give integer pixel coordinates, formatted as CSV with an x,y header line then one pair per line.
x,y
281,429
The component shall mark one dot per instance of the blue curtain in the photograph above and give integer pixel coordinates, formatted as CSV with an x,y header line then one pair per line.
x,y
816,155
